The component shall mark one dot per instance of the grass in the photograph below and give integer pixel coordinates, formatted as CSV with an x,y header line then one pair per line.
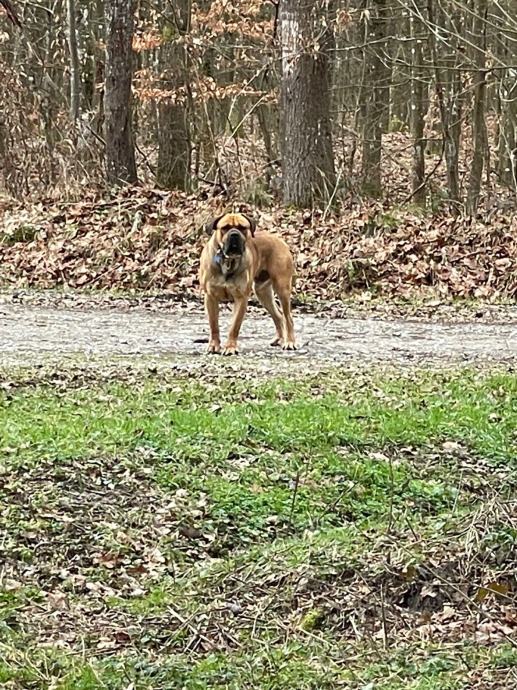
x,y
343,530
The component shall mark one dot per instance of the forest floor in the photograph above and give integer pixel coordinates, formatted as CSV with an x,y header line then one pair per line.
x,y
339,517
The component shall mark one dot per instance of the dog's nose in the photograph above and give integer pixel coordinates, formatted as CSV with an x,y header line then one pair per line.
x,y
234,237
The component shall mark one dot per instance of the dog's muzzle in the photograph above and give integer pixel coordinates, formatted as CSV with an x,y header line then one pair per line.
x,y
234,243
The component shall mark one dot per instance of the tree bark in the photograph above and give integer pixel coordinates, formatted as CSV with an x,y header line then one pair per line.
x,y
11,12
306,140
375,105
508,127
448,84
417,114
174,145
120,150
75,73
479,132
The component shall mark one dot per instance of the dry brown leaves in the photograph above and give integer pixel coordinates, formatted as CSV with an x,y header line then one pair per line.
x,y
144,238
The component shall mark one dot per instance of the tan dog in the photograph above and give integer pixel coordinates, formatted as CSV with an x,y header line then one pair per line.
x,y
234,261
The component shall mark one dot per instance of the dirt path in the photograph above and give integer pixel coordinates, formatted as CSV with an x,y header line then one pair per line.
x,y
29,333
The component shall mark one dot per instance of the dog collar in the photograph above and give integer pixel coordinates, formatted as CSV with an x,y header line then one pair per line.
x,y
218,257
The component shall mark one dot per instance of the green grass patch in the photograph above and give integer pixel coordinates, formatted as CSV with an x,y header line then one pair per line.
x,y
308,667
235,533
184,419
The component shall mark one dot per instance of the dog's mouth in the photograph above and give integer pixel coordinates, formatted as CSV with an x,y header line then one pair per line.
x,y
233,244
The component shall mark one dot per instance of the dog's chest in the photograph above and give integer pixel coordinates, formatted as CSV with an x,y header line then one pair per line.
x,y
227,289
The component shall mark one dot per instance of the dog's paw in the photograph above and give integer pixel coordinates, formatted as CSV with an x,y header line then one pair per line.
x,y
230,349
213,348
275,342
289,345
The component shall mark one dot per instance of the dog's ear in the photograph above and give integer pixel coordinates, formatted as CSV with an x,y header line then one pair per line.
x,y
253,224
210,226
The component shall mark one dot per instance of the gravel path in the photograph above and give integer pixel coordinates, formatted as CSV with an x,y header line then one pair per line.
x,y
30,333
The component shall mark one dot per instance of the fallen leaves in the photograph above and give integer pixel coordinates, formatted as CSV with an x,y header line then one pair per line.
x,y
145,238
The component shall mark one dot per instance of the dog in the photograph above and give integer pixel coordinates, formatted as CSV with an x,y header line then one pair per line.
x,y
236,261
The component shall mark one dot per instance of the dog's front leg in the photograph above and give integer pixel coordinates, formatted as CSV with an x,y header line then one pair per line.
x,y
239,309
212,310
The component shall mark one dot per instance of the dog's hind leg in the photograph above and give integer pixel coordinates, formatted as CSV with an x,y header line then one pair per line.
x,y
266,297
283,290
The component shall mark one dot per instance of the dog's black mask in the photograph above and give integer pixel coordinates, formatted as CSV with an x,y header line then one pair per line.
x,y
234,243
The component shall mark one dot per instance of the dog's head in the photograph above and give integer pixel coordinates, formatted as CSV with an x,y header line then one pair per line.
x,y
231,232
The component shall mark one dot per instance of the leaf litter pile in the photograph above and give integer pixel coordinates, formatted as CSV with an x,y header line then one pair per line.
x,y
160,549
143,238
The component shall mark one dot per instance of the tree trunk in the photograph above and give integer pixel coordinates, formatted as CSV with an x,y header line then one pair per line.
x,y
75,74
508,127
307,45
417,115
120,151
479,132
453,135
174,145
100,73
448,84
11,12
375,105
92,87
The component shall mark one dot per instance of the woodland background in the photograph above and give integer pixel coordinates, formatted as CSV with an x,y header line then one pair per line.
x,y
378,136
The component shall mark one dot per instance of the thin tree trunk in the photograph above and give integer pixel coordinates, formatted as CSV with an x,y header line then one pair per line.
x,y
376,101
268,126
99,72
174,145
417,114
75,74
479,132
11,12
120,150
264,121
507,96
306,140
448,91
51,105
452,141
